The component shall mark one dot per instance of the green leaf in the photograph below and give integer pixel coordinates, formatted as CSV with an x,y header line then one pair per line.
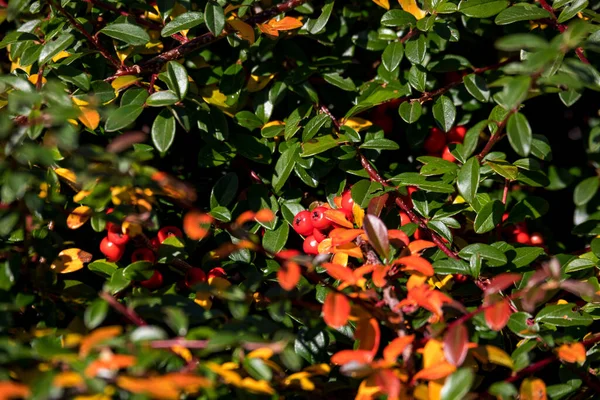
x,y
224,191
451,266
444,113
514,92
274,240
343,83
520,41
504,169
214,17
569,97
103,267
380,144
495,257
284,167
398,18
178,77
468,179
314,125
482,8
392,55
416,49
571,10
163,131
524,256
585,190
162,98
477,87
95,314
320,23
128,33
53,47
122,117
187,20
248,120
541,148
563,315
319,145
489,216
417,77
520,324
117,282
139,270
410,112
422,182
519,134
457,385
521,12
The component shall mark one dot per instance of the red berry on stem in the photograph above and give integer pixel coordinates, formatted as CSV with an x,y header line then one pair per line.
x,y
320,236
217,272
143,255
459,278
522,237
112,252
155,281
347,201
457,134
310,245
436,141
167,231
537,239
318,218
302,223
194,276
446,155
116,235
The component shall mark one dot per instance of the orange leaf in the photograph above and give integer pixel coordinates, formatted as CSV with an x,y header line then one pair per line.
x,y
343,274
288,275
383,3
396,347
572,353
430,299
415,263
264,215
196,224
244,30
339,218
111,362
369,335
434,372
397,234
78,217
70,260
98,336
336,310
286,24
89,117
346,356
363,270
410,6
349,248
268,30
417,245
341,236
497,315
12,390
380,275
501,282
533,389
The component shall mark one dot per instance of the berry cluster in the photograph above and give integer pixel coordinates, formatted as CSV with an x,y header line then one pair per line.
x,y
315,224
520,234
437,142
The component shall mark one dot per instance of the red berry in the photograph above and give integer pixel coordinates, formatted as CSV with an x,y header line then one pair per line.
x,y
446,155
302,223
154,242
537,239
194,276
320,236
310,245
217,272
143,255
318,218
436,141
116,235
155,281
404,218
112,252
522,237
504,216
459,278
167,231
347,201
457,134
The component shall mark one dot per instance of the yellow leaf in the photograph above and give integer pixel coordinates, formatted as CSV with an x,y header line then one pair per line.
x,y
411,7
254,386
244,30
433,353
70,260
263,353
66,174
123,54
533,389
572,353
81,195
124,81
437,371
34,79
494,355
182,352
60,56
358,214
203,300
383,3
212,95
228,376
16,64
341,259
358,124
300,379
257,83
78,217
89,117
67,379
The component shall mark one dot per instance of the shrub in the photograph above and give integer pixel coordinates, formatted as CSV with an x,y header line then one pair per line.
x,y
299,198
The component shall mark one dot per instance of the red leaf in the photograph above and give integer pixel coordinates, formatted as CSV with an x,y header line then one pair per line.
x,y
378,235
417,245
339,218
415,263
346,356
497,315
336,310
369,335
438,371
456,343
388,383
501,282
397,234
337,271
288,275
377,204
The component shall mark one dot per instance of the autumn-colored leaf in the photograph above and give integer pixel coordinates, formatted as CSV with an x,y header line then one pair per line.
x,y
416,246
368,334
346,356
111,362
438,371
572,353
398,235
428,298
263,353
415,263
532,389
244,217
456,342
13,390
339,218
288,275
341,236
70,260
336,310
98,336
268,30
348,248
393,350
501,282
358,124
78,217
124,81
244,30
257,82
388,383
196,224
383,3
67,379
89,117
66,174
380,275
264,216
497,314
343,274
410,6
285,24
492,354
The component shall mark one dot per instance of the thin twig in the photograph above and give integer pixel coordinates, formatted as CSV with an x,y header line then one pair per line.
x,y
128,313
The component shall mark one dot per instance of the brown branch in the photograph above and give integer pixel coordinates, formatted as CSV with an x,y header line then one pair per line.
x,y
561,28
494,137
92,39
139,19
128,313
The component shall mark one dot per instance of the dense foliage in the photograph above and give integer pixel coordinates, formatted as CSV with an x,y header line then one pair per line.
x,y
303,199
